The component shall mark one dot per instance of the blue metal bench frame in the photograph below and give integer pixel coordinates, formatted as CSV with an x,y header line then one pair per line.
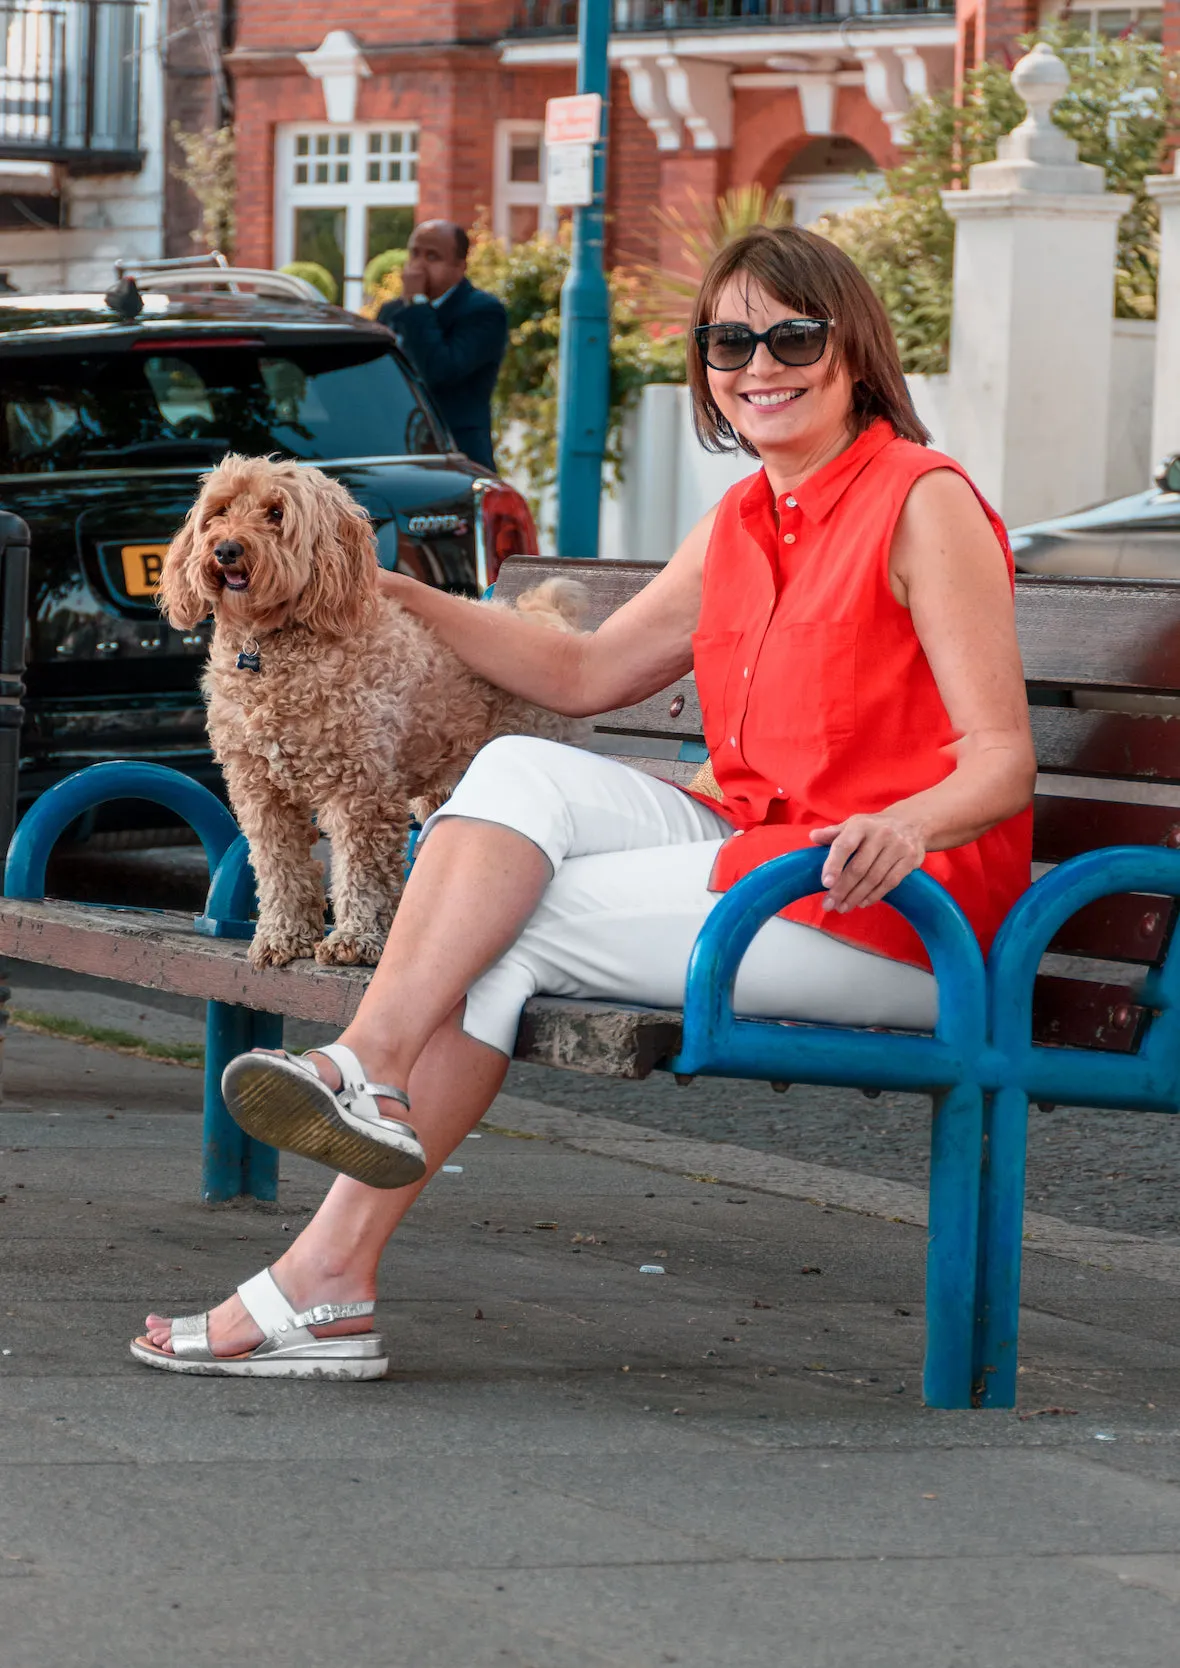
x,y
232,1163
980,1065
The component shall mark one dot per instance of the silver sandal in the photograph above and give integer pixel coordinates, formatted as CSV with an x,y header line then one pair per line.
x,y
281,1099
287,1350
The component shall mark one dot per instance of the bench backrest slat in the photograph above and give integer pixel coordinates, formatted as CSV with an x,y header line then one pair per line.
x,y
1100,633
1129,748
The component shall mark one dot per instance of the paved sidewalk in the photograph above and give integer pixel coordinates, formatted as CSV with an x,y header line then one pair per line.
x,y
572,1464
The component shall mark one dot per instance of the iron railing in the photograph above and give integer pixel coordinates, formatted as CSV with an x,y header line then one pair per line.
x,y
69,82
560,17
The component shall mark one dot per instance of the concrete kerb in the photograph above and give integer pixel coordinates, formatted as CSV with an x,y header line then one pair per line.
x,y
819,1184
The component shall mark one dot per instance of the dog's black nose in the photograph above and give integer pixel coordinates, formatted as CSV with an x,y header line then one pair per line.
x,y
227,552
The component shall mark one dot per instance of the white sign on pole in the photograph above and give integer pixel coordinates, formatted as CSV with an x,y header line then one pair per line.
x,y
576,120
569,176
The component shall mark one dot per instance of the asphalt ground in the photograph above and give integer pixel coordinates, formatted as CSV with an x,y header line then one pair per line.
x,y
1113,1170
570,1464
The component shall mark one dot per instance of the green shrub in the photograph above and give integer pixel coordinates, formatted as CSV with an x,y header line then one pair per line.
x,y
316,275
1120,105
382,276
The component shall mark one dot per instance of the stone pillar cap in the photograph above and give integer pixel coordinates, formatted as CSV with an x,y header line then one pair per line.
x,y
1037,155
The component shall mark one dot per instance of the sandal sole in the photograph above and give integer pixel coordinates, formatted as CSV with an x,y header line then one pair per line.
x,y
339,1368
284,1108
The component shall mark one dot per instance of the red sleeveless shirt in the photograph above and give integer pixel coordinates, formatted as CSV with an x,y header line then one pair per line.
x,y
818,700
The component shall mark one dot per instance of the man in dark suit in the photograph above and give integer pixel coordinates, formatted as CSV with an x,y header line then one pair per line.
x,y
454,333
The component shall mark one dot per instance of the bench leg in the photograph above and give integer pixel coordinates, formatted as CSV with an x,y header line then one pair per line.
x,y
233,1164
5,998
956,1148
1001,1232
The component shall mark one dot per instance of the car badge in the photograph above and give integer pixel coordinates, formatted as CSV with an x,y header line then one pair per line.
x,y
249,659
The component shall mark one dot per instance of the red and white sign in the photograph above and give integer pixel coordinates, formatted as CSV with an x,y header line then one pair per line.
x,y
573,121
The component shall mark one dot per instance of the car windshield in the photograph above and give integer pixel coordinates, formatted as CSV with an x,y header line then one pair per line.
x,y
175,402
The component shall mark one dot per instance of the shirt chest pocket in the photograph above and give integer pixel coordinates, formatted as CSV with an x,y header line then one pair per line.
x,y
713,656
802,690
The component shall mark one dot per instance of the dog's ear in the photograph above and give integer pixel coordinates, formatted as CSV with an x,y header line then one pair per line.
x,y
177,598
340,594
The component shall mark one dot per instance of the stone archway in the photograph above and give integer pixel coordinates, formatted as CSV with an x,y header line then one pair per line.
x,y
827,175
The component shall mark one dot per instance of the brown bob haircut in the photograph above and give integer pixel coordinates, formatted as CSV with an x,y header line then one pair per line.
x,y
811,276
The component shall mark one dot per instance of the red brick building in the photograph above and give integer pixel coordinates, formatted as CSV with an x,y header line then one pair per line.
x,y
354,121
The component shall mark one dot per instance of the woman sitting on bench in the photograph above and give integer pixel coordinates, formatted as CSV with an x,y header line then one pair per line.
x,y
848,613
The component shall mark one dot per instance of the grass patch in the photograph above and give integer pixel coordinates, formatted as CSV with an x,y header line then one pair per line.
x,y
102,1036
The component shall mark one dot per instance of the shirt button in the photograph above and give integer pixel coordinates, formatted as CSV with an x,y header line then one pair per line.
x,y
745,671
791,504
788,538
733,741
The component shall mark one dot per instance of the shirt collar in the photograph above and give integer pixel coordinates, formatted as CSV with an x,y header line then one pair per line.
x,y
445,296
819,494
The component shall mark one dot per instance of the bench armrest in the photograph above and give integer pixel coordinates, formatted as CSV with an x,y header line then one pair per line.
x,y
715,1040
66,801
1032,923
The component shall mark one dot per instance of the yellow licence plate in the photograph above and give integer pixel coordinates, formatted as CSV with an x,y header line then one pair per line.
x,y
142,566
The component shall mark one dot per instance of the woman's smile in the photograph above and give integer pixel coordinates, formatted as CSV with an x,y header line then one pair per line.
x,y
770,399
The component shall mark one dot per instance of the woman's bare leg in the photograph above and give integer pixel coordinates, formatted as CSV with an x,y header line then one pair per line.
x,y
468,896
335,1258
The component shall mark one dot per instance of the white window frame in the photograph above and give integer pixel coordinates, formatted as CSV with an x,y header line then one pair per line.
x,y
356,197
1086,11
507,193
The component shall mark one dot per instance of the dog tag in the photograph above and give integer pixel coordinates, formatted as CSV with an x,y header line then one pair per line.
x,y
249,660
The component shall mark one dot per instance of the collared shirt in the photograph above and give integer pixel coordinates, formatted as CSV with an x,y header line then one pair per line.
x,y
817,697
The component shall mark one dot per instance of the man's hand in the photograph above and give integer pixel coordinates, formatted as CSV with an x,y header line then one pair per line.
x,y
869,855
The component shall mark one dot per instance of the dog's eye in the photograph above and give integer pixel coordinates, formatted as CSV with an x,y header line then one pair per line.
x,y
275,513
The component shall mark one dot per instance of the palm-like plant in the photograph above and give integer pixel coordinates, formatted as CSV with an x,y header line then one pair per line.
x,y
700,233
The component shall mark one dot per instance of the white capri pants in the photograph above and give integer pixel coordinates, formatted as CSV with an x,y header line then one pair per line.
x,y
631,858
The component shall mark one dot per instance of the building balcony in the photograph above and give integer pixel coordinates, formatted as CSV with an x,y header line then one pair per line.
x,y
638,17
69,83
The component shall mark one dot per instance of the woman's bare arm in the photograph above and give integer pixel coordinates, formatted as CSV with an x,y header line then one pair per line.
x,y
946,568
642,648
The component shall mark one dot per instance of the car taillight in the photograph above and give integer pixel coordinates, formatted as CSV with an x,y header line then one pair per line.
x,y
505,529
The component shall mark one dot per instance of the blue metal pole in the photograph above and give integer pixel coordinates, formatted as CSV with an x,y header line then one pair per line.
x,y
583,363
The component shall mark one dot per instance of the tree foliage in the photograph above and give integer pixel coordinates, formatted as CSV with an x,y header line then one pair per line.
x,y
668,292
209,171
1121,102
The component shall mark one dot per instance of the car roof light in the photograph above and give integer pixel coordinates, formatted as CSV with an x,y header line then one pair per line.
x,y
179,344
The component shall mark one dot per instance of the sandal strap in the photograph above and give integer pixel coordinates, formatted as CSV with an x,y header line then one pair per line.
x,y
323,1314
355,1084
273,1315
189,1336
266,1305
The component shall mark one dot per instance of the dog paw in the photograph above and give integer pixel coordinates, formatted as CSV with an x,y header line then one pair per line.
x,y
343,948
277,949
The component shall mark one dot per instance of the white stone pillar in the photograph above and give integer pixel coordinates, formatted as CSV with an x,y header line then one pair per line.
x,y
1033,313
1165,415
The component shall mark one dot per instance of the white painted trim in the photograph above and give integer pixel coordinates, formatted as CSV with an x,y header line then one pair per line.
x,y
700,94
508,193
649,98
732,46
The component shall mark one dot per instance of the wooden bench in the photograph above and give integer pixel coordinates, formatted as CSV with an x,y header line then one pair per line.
x,y
1092,1026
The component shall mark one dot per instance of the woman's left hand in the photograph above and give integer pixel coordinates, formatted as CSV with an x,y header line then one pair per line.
x,y
869,855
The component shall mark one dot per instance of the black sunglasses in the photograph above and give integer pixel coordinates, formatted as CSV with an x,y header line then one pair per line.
x,y
727,347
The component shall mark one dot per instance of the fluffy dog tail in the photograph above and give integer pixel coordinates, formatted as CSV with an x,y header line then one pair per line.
x,y
560,603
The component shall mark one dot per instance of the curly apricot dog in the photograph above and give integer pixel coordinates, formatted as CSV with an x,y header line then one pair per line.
x,y
327,699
